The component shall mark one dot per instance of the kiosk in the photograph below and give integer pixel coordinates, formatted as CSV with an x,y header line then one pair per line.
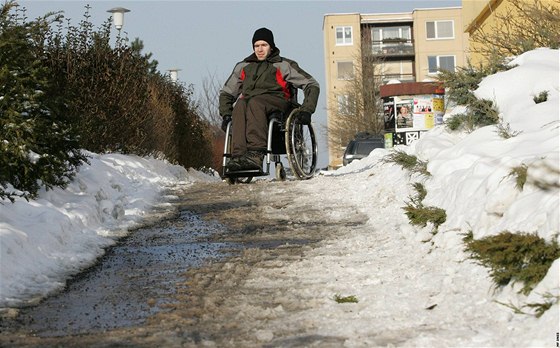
x,y
410,109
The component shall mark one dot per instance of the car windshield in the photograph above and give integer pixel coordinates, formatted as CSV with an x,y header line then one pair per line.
x,y
364,148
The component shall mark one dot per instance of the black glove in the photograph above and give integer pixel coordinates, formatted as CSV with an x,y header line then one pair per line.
x,y
304,117
225,122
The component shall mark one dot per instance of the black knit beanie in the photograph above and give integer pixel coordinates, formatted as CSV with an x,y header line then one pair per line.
x,y
265,35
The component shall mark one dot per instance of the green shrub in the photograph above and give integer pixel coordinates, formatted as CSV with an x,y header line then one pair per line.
x,y
408,162
38,146
66,89
420,192
484,112
504,130
420,215
454,122
345,299
120,102
177,131
106,87
480,113
541,98
461,83
520,174
514,257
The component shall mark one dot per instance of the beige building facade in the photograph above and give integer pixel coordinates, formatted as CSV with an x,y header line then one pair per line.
x,y
485,16
414,47
480,14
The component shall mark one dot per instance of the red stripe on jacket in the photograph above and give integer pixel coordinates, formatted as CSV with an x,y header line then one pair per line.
x,y
284,84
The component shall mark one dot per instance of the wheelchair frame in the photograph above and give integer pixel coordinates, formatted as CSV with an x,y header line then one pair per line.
x,y
299,145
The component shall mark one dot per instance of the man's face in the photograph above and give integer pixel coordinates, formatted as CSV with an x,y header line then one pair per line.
x,y
262,49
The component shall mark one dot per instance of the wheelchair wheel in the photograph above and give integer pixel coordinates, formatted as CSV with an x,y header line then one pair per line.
x,y
301,147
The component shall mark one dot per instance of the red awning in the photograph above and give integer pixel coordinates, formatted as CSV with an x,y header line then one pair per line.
x,y
411,88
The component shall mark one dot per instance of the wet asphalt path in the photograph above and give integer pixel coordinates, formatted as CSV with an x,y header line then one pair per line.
x,y
169,285
135,279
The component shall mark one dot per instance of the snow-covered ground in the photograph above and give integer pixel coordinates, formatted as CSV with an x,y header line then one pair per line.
x,y
45,240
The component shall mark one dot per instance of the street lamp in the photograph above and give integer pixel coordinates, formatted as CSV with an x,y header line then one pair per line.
x,y
118,16
173,74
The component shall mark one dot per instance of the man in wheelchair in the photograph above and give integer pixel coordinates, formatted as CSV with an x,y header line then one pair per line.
x,y
259,86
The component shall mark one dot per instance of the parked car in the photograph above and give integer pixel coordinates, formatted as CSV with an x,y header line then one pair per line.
x,y
361,147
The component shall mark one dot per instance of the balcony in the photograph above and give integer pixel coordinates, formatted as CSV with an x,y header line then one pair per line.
x,y
393,47
401,77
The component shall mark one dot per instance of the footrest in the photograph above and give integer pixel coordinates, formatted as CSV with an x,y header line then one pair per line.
x,y
244,173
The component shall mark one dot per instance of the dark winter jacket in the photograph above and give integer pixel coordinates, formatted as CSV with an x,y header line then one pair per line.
x,y
272,76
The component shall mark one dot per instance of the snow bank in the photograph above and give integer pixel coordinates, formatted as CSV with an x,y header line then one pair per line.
x,y
44,241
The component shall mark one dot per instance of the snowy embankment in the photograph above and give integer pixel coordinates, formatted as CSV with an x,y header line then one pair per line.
x,y
470,179
44,241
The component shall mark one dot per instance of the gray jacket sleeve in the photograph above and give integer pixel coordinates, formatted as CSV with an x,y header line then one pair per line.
x,y
231,90
299,78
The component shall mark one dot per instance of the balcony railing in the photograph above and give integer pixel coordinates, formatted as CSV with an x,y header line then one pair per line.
x,y
393,47
401,77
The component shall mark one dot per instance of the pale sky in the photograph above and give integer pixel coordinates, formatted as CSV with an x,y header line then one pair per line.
x,y
204,38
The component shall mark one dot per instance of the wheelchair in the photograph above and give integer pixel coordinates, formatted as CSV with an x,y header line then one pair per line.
x,y
286,136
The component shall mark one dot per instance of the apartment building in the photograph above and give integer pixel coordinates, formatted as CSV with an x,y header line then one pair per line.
x,y
414,47
477,14
487,17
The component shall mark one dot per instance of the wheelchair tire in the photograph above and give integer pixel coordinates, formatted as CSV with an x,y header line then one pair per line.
x,y
301,148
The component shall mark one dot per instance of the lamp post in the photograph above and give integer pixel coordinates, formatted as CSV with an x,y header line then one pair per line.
x,y
173,74
118,16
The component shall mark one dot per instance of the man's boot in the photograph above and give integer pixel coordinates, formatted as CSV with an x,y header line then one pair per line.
x,y
251,160
233,164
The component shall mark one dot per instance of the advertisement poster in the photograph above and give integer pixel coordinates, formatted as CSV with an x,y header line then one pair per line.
x,y
388,140
407,116
437,102
423,112
413,113
423,121
422,104
389,115
439,108
404,114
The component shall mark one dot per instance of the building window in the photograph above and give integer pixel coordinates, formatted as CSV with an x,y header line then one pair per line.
x,y
391,33
439,63
392,40
440,30
343,36
397,70
345,70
